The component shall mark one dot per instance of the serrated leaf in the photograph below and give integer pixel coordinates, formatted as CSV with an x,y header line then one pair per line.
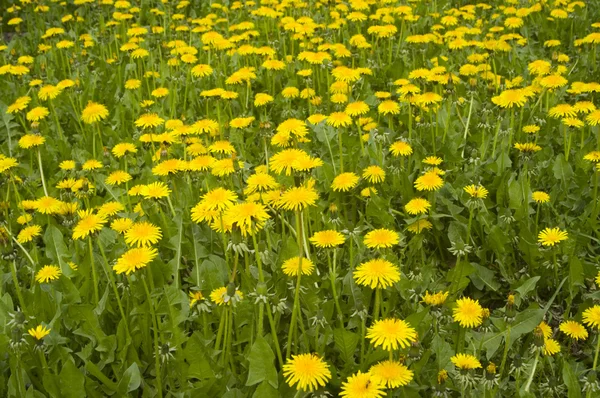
x,y
56,249
527,286
346,343
261,364
571,381
131,380
71,381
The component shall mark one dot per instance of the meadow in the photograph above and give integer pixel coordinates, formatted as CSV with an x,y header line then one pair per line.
x,y
299,198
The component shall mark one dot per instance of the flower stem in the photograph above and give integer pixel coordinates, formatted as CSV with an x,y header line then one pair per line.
x,y
94,274
39,156
156,351
530,379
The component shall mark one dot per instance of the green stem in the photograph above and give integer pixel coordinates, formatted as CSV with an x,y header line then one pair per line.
x,y
530,379
111,278
39,156
156,349
94,274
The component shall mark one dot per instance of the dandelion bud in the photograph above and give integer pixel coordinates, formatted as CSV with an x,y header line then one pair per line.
x,y
230,289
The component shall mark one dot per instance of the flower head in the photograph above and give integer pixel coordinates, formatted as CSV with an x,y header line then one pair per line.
x,y
468,312
327,239
93,113
308,371
39,332
381,238
551,236
574,330
48,273
362,385
391,374
292,266
465,361
378,273
134,259
391,333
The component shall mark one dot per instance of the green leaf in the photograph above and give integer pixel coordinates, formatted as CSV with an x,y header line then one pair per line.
x,y
575,275
562,169
131,380
265,390
71,381
346,343
527,286
484,277
56,250
570,379
261,364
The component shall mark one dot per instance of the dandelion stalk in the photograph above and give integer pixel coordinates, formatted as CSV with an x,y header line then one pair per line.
x,y
94,274
333,275
39,156
295,308
111,278
530,379
155,326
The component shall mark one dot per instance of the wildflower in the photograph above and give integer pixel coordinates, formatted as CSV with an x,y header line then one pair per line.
x,y
292,266
551,236
134,259
381,238
417,206
327,239
362,385
377,273
94,112
468,313
591,317
48,273
391,333
143,234
465,361
39,332
308,371
344,182
392,374
574,330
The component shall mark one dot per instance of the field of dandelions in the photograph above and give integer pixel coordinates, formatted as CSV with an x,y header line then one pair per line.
x,y
299,198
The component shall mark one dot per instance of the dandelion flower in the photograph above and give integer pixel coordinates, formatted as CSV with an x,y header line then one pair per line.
x,y
308,371
377,273
94,112
465,361
47,273
362,385
551,236
143,234
297,198
591,317
551,347
291,266
381,238
134,259
435,299
39,332
430,181
468,312
344,182
27,234
540,197
88,225
391,333
392,374
417,206
373,174
574,330
327,239
476,191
